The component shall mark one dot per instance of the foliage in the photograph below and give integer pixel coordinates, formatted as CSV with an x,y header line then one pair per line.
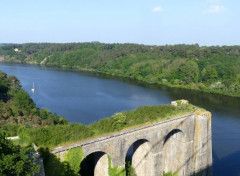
x,y
59,134
138,116
74,157
211,69
170,174
10,129
54,135
16,161
21,142
17,108
53,166
115,171
130,170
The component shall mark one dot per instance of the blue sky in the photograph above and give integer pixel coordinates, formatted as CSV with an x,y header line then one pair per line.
x,y
154,22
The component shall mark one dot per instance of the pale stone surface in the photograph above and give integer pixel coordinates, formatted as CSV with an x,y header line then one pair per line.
x,y
101,168
13,138
173,152
142,160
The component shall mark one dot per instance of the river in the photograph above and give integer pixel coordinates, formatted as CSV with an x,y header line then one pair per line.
x,y
88,97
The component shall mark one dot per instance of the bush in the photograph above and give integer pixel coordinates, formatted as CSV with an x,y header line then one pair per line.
x,y
16,161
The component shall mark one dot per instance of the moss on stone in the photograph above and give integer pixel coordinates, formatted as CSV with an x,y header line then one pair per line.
x,y
74,157
113,171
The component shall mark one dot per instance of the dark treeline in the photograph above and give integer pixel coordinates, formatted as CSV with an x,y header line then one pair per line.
x,y
210,69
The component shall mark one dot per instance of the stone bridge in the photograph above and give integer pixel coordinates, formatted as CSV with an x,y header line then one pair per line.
x,y
182,144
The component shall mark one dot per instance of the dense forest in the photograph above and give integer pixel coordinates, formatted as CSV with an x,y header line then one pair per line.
x,y
210,69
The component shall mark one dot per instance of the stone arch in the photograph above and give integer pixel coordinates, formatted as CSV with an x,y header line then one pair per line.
x,y
170,134
140,156
95,164
174,147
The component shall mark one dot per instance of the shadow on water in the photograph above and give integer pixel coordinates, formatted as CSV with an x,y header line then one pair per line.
x,y
229,165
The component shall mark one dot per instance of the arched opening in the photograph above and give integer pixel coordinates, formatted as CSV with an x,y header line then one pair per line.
x,y
95,164
140,158
174,152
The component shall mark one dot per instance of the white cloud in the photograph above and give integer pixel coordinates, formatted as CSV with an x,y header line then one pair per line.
x,y
157,9
216,9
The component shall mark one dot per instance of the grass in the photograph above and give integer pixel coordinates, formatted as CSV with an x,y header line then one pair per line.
x,y
123,121
115,171
22,142
65,135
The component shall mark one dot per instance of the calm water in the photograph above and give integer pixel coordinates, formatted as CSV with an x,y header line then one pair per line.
x,y
82,97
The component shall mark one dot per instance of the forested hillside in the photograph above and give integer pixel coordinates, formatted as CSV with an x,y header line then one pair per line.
x,y
17,108
211,69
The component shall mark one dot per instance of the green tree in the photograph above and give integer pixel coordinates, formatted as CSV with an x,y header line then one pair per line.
x,y
13,81
189,72
16,161
22,99
209,74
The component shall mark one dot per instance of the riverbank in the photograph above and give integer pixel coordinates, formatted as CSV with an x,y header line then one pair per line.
x,y
211,69
142,82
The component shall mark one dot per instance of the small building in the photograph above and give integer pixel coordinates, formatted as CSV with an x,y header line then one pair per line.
x,y
16,49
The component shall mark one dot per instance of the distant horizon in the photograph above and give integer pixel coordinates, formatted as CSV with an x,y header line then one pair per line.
x,y
118,43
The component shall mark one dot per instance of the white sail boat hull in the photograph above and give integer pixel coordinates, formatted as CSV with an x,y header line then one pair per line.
x,y
33,89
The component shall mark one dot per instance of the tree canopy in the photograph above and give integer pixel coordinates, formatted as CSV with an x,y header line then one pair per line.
x,y
15,161
212,69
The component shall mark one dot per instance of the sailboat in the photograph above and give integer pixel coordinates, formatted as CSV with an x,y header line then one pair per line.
x,y
33,89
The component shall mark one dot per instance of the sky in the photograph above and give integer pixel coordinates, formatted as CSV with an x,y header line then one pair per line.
x,y
151,22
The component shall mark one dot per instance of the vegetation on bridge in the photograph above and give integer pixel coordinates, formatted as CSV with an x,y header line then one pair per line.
x,y
59,134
